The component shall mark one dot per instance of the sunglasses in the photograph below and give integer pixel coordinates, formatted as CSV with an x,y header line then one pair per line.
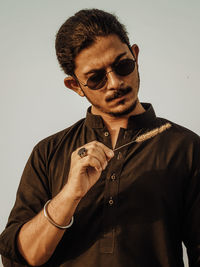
x,y
123,68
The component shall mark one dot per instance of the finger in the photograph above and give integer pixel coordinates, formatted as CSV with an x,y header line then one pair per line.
x,y
98,150
98,153
108,152
90,161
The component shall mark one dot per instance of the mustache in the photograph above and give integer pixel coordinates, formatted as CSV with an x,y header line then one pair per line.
x,y
119,93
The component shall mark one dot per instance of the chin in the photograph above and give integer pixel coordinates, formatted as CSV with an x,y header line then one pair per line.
x,y
122,111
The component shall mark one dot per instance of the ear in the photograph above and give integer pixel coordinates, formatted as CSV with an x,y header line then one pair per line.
x,y
71,83
135,50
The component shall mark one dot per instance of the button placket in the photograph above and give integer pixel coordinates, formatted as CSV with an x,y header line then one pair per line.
x,y
111,201
110,207
125,134
113,177
105,137
111,192
106,133
119,155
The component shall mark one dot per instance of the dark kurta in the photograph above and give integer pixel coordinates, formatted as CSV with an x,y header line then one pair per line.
x,y
144,205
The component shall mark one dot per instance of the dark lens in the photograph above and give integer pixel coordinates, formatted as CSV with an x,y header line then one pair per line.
x,y
97,80
125,67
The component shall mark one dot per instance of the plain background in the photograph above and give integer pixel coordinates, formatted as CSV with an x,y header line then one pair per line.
x,y
34,102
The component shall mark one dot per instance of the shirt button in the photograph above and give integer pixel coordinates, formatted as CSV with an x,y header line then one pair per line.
x,y
106,134
111,202
113,177
119,156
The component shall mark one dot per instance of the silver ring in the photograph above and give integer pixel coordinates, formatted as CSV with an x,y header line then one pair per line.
x,y
82,152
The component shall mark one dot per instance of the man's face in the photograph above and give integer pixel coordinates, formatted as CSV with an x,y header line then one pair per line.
x,y
119,96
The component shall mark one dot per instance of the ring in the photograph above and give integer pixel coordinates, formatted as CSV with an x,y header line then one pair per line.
x,y
82,152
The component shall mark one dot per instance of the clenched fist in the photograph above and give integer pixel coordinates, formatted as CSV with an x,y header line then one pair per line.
x,y
84,172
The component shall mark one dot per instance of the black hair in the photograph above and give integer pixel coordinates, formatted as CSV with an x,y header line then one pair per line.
x,y
80,31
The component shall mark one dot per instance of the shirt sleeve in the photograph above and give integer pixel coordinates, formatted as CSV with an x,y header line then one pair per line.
x,y
32,193
191,216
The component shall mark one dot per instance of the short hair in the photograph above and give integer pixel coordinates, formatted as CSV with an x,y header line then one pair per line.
x,y
81,30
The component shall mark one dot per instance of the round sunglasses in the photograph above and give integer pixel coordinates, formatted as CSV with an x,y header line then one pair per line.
x,y
123,68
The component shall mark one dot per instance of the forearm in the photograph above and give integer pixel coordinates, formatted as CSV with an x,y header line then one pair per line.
x,y
38,238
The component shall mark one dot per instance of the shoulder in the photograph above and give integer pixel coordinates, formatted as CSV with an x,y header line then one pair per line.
x,y
178,147
51,142
180,132
181,140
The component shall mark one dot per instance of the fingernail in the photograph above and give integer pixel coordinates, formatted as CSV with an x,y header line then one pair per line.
x,y
111,153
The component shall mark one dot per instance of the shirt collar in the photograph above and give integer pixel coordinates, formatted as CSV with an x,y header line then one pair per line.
x,y
143,120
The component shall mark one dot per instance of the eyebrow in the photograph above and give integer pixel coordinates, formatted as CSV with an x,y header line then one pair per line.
x,y
115,61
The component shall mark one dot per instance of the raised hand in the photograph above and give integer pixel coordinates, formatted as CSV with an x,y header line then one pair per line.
x,y
85,171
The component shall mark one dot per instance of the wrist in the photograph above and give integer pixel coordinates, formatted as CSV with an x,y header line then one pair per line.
x,y
62,227
74,196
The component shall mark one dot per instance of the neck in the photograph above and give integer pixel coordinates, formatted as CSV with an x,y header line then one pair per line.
x,y
115,123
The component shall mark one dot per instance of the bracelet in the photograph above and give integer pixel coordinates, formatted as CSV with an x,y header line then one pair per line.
x,y
52,222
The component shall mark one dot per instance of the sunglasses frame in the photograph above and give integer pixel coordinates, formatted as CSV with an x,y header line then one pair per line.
x,y
105,76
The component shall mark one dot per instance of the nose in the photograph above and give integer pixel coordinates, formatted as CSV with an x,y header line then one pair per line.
x,y
114,81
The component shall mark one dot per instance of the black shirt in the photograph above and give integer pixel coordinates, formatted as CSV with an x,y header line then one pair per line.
x,y
146,202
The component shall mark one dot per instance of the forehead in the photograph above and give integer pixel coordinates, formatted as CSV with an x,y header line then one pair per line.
x,y
100,54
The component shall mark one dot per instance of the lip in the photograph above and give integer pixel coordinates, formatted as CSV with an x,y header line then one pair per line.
x,y
118,98
116,101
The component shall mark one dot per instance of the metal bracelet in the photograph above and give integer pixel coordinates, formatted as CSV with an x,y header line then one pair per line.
x,y
52,222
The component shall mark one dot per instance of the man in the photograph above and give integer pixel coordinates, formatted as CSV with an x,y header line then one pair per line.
x,y
118,188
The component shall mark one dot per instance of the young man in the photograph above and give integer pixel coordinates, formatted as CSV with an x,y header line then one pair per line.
x,y
118,188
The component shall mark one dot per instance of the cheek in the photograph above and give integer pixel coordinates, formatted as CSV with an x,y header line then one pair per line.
x,y
134,80
99,98
95,96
